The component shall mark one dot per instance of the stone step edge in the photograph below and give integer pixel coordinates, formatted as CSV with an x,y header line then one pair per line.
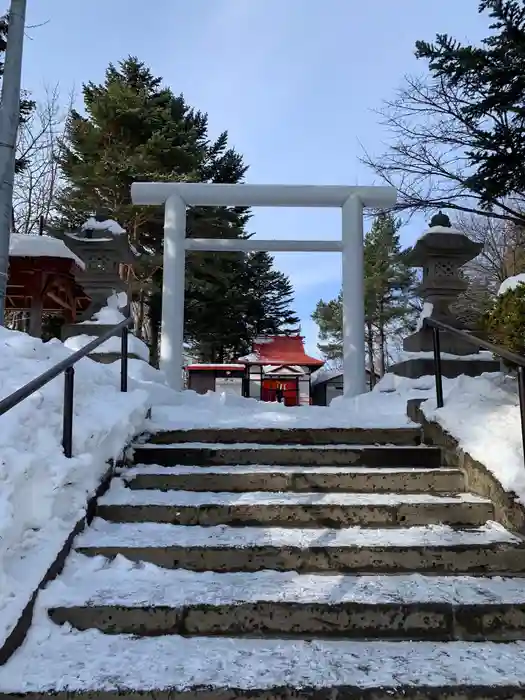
x,y
282,469
408,434
225,536
288,446
347,620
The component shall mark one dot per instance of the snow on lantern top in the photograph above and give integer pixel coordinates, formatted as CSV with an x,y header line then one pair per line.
x,y
99,227
441,239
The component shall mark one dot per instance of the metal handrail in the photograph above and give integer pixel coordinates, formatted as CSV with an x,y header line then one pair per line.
x,y
66,366
518,360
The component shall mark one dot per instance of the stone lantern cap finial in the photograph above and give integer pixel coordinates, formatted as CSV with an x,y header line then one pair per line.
x,y
441,220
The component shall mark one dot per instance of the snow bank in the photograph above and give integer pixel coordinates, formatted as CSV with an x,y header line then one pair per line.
x,y
221,410
43,494
112,345
482,413
511,283
110,314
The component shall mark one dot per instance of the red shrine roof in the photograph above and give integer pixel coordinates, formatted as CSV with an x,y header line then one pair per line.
x,y
280,350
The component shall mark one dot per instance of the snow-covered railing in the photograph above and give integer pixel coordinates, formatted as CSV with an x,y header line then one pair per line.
x,y
517,360
67,367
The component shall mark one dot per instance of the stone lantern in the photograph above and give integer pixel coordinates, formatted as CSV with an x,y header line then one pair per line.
x,y
441,251
103,246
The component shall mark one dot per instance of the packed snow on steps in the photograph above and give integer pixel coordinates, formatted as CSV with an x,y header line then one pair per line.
x,y
93,581
120,494
58,658
106,534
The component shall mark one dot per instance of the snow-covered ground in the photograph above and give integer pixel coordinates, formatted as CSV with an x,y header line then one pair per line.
x,y
135,345
43,494
214,410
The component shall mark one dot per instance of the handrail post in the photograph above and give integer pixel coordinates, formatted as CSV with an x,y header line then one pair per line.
x,y
124,359
437,366
67,416
521,395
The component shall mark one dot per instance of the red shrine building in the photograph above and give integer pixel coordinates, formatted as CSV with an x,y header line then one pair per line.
x,y
277,367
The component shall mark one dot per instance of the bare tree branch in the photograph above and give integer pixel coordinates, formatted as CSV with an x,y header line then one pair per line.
x,y
427,157
503,255
35,185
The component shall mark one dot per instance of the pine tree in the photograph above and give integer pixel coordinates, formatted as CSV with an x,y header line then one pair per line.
x,y
388,288
329,318
269,297
135,129
389,285
491,82
259,304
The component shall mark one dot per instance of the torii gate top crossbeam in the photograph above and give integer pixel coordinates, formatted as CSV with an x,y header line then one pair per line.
x,y
245,195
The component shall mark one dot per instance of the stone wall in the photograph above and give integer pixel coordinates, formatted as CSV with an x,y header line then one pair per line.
x,y
478,479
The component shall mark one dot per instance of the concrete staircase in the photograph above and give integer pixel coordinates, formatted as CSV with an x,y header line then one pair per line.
x,y
281,564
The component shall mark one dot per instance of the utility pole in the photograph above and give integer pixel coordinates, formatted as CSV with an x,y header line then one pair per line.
x,y
9,120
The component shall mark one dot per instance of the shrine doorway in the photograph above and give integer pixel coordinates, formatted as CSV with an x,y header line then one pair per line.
x,y
287,388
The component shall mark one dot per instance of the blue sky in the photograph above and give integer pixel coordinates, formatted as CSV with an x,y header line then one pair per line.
x,y
293,81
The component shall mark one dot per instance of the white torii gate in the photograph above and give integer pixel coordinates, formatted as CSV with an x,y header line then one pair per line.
x,y
176,196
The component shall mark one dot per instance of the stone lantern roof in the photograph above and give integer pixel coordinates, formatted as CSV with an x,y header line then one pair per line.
x,y
441,239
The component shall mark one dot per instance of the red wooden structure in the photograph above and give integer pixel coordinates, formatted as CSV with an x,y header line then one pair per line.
x,y
42,279
282,369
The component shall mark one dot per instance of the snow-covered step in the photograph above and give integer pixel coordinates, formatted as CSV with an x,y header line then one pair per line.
x,y
437,548
410,435
296,478
63,663
122,504
206,454
144,599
